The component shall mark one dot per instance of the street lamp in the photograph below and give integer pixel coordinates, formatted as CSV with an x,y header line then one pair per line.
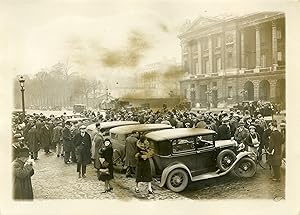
x,y
22,82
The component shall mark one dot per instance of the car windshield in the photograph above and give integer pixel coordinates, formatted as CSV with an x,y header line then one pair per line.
x,y
185,144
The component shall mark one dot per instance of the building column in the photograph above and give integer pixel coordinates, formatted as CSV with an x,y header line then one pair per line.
x,y
243,67
257,46
223,51
274,45
256,89
199,57
190,59
272,89
210,54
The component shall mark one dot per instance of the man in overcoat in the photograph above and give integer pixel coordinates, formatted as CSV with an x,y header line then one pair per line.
x,y
67,142
57,139
22,172
33,142
130,152
83,145
98,144
274,151
46,138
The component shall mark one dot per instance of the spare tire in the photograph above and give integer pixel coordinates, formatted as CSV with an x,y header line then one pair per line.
x,y
225,159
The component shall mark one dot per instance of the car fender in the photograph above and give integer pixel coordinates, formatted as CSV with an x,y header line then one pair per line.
x,y
238,158
171,167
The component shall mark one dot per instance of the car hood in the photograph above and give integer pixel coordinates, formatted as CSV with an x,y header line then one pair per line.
x,y
224,143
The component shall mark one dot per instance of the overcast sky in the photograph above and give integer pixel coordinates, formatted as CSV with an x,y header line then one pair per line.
x,y
40,33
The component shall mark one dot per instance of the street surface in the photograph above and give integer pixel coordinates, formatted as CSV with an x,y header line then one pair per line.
x,y
53,179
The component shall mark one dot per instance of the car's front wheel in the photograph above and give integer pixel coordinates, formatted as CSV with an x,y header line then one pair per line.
x,y
177,180
245,168
225,159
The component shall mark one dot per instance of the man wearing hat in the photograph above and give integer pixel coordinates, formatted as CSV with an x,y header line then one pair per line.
x,y
46,137
22,172
82,142
67,142
57,138
34,142
274,151
224,129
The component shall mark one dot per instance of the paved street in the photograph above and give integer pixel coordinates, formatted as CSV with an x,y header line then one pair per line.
x,y
55,180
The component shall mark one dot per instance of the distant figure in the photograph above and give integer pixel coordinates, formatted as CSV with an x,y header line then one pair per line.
x,y
33,142
22,172
98,144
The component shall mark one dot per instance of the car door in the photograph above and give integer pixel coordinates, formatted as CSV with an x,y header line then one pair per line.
x,y
184,150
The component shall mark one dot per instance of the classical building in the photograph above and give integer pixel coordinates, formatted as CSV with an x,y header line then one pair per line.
x,y
231,59
160,79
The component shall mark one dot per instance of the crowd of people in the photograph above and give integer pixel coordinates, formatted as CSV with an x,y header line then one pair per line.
x,y
54,134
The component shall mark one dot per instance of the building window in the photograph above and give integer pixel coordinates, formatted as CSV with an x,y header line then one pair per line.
x,y
194,48
229,60
197,67
218,64
214,84
185,93
205,44
279,56
229,38
230,92
186,66
218,42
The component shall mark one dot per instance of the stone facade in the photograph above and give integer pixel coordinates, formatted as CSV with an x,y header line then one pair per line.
x,y
234,59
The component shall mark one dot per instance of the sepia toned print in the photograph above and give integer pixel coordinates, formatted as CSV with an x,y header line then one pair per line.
x,y
111,121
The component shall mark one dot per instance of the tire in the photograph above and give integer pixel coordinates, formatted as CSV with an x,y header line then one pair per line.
x,y
177,180
225,159
245,168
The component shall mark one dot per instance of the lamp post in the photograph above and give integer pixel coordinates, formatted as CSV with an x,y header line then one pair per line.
x,y
22,82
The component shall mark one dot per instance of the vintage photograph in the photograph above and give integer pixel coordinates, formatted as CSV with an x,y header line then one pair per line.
x,y
148,101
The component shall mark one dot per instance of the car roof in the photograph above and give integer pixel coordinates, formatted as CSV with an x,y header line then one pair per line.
x,y
77,119
176,133
127,129
111,124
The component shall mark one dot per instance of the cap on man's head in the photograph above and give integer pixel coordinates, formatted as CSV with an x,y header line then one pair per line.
x,y
97,124
68,123
82,127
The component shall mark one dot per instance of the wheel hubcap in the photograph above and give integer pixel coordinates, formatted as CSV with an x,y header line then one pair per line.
x,y
177,180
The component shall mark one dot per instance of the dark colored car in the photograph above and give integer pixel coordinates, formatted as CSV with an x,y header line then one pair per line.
x,y
184,155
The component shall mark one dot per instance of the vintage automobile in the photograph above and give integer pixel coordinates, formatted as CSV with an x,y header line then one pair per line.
x,y
105,127
184,155
119,134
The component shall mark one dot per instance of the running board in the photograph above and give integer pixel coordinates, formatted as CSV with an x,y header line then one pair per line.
x,y
208,175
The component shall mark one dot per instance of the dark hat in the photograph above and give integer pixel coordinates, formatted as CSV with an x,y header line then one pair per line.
x,y
23,152
68,123
274,123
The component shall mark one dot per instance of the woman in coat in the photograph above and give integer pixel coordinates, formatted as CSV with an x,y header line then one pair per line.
x,y
143,168
106,165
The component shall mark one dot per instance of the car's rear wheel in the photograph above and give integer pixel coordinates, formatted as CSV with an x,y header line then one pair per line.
x,y
177,180
225,159
245,168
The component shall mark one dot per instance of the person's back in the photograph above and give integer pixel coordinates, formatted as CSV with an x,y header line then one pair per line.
x,y
130,150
